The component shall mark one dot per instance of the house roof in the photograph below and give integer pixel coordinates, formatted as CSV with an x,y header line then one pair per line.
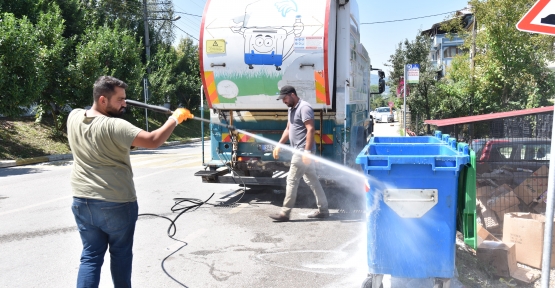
x,y
465,17
485,117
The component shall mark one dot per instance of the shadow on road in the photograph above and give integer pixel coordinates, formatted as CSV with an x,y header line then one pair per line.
x,y
349,206
18,171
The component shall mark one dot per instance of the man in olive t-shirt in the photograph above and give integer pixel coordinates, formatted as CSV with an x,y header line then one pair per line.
x,y
104,199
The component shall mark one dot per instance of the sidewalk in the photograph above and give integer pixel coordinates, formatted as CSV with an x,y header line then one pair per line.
x,y
60,157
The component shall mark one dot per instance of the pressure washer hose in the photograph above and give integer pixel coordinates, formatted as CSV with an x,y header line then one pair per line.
x,y
167,111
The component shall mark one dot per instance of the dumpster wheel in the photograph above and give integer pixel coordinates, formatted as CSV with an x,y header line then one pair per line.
x,y
373,280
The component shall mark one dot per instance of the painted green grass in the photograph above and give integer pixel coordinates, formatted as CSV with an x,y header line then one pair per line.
x,y
251,83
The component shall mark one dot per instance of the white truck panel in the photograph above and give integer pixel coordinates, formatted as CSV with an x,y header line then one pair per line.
x,y
251,48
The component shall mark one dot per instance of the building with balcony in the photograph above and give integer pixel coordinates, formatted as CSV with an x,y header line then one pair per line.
x,y
446,44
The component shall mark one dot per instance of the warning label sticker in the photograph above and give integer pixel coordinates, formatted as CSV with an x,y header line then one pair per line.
x,y
309,43
215,46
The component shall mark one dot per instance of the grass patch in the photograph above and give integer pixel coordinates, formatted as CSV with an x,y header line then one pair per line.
x,y
23,138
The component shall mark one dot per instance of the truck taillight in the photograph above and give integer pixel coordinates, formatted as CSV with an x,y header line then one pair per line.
x,y
246,159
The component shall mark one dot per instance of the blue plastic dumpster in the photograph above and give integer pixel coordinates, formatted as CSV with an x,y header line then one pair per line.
x,y
412,204
414,140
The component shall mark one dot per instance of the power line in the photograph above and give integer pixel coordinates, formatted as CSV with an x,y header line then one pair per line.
x,y
408,18
185,32
186,13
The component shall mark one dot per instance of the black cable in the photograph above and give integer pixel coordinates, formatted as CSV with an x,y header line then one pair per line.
x,y
369,23
185,32
186,13
196,204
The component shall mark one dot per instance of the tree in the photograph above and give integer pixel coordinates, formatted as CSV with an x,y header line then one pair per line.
x,y
106,51
187,73
421,99
510,66
23,77
54,96
163,80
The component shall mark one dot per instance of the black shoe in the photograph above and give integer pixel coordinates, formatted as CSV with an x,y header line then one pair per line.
x,y
280,217
318,214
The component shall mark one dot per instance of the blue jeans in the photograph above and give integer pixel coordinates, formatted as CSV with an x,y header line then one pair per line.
x,y
101,225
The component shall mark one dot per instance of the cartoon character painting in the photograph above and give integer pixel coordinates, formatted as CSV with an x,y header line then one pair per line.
x,y
266,45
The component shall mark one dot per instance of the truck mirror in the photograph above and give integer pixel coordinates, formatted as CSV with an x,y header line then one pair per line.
x,y
381,85
381,74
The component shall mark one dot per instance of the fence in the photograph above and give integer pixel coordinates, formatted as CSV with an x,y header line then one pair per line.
x,y
512,156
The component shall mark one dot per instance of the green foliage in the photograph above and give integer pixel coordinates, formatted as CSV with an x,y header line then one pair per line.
x,y
106,51
52,51
162,79
187,73
50,28
23,77
510,66
175,76
422,97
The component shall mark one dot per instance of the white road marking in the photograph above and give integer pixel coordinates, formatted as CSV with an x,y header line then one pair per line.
x,y
66,197
34,205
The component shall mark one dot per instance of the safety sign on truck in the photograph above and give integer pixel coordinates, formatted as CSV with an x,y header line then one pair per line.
x,y
215,46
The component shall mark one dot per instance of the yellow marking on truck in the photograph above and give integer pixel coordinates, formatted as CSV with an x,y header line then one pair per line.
x,y
211,87
324,139
215,46
320,87
241,138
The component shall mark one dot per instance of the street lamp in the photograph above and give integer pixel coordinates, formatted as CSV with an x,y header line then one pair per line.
x,y
147,48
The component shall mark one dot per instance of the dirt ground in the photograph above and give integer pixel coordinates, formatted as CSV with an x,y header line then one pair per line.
x,y
474,274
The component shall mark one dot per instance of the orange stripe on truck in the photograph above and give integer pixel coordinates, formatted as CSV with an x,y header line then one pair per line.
x,y
211,87
320,87
240,138
325,139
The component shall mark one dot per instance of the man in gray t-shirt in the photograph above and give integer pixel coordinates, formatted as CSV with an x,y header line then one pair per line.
x,y
300,133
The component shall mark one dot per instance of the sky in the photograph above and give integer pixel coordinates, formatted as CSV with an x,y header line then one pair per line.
x,y
380,40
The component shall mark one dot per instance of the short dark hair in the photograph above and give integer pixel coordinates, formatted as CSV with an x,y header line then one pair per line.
x,y
105,85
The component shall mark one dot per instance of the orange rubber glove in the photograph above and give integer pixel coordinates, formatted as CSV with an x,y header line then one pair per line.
x,y
181,114
275,153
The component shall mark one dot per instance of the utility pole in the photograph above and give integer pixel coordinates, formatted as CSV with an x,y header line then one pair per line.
x,y
405,98
147,49
472,72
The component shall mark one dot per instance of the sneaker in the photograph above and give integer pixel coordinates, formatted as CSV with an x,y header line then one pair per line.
x,y
318,214
280,217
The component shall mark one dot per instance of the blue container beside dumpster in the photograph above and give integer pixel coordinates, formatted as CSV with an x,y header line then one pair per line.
x,y
412,204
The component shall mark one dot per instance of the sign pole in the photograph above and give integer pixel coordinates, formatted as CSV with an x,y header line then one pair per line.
x,y
533,22
405,100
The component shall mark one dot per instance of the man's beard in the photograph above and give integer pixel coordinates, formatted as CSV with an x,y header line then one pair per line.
x,y
113,112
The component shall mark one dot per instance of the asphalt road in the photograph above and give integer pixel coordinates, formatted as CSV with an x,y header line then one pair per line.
x,y
231,245
230,242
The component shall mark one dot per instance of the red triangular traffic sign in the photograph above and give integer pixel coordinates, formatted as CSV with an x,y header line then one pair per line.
x,y
540,18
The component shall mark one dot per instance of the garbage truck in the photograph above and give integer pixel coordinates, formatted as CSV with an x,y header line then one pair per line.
x,y
248,50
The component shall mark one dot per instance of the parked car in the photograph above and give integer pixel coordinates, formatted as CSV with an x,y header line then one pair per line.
x,y
383,114
516,154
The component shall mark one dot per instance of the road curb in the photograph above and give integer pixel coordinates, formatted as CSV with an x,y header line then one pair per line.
x,y
61,157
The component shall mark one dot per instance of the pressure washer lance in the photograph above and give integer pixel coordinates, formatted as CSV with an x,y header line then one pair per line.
x,y
167,111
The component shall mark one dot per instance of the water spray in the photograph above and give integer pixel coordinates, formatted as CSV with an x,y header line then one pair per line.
x,y
230,127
